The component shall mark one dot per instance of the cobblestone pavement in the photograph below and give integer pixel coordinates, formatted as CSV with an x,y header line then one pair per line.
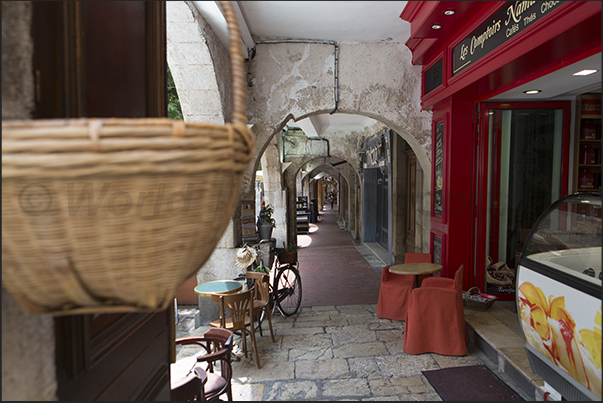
x,y
328,353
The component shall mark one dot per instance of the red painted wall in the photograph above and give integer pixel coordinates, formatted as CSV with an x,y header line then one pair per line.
x,y
568,34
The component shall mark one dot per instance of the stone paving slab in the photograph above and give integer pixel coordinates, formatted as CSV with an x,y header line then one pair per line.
x,y
335,353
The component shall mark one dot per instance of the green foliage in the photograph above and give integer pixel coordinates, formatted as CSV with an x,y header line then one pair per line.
x,y
262,269
292,247
174,110
266,215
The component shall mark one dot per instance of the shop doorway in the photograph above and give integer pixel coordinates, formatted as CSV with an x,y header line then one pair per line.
x,y
523,169
382,209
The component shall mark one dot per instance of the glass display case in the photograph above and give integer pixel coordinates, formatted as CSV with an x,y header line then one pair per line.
x,y
559,296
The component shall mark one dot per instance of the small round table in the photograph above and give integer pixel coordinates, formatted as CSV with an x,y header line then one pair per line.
x,y
416,269
218,287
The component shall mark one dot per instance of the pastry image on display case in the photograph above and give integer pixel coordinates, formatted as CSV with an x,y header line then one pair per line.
x,y
559,296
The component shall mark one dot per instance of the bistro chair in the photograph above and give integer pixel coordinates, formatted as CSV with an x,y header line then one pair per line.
x,y
435,320
188,388
239,307
205,382
395,289
261,298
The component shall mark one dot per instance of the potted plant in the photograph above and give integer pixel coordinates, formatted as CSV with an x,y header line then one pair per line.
x,y
265,222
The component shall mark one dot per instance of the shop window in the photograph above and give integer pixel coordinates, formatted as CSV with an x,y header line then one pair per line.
x,y
526,172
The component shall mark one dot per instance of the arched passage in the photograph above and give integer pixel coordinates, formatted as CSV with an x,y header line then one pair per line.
x,y
341,158
295,80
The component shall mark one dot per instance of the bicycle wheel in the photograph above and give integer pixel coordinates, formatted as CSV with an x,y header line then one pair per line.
x,y
289,290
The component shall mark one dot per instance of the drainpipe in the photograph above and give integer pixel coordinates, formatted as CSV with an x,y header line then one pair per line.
x,y
328,146
335,74
336,80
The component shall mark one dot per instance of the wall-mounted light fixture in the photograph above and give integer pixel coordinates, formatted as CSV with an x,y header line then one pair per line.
x,y
584,72
532,92
436,26
449,12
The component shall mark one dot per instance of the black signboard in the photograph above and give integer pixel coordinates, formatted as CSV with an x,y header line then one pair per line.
x,y
437,250
433,77
439,169
503,25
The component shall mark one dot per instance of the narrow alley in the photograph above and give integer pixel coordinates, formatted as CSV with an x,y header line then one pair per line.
x,y
332,267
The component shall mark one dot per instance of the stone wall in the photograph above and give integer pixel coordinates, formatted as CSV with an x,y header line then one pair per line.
x,y
292,80
296,80
28,364
200,66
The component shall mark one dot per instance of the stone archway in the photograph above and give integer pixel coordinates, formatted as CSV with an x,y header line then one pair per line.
x,y
295,80
200,66
345,146
343,173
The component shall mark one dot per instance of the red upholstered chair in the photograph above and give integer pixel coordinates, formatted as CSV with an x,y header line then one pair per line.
x,y
435,321
394,293
395,289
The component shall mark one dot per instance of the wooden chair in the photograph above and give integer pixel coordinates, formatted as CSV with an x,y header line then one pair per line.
x,y
261,299
188,388
435,320
216,347
395,289
240,316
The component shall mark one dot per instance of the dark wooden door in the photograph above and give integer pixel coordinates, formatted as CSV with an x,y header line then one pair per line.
x,y
105,59
100,58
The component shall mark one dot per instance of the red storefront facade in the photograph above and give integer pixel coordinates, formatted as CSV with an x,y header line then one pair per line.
x,y
500,159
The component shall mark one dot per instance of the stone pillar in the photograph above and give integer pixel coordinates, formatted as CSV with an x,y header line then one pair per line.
x,y
28,342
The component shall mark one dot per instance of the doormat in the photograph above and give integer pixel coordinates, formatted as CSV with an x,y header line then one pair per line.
x,y
472,383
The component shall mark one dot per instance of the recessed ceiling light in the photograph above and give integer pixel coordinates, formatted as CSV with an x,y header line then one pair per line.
x,y
449,12
584,72
531,92
436,26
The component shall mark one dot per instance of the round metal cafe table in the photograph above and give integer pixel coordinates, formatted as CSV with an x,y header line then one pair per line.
x,y
218,287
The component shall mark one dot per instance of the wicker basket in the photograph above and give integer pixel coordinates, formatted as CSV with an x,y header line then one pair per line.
x,y
287,257
474,299
113,215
